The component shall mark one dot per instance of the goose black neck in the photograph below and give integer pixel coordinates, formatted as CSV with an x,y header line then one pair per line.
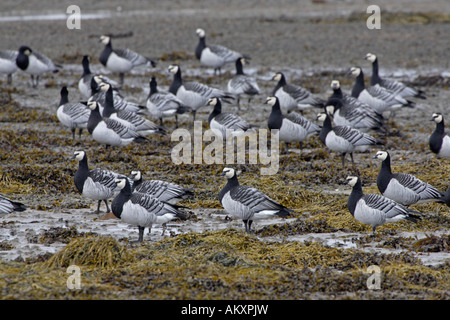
x,y
64,96
85,63
276,117
231,183
359,85
81,174
239,67
375,78
200,46
94,118
105,53
176,83
337,93
137,183
355,195
440,127
153,87
326,128
94,86
216,111
384,174
386,165
281,83
109,109
123,196
22,60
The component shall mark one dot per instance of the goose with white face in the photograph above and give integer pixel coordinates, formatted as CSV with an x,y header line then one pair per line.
x,y
381,155
228,173
335,84
370,57
351,180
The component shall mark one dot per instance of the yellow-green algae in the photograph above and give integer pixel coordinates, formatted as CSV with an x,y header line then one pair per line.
x,y
225,264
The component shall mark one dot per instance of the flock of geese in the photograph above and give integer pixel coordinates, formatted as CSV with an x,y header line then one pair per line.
x,y
113,121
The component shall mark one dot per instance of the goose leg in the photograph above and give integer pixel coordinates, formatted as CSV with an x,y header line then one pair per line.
x,y
107,207
141,233
98,206
343,159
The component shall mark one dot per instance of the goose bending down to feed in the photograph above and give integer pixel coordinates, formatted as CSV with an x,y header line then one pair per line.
x,y
35,64
194,94
74,115
379,98
214,56
343,139
242,84
248,203
226,125
8,63
120,102
439,141
294,97
163,104
165,191
292,126
141,209
403,188
96,184
352,112
394,86
375,209
121,61
130,119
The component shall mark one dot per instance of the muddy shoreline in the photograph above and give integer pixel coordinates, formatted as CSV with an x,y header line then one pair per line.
x,y
313,45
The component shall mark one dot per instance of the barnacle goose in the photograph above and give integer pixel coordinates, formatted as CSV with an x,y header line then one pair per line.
x,y
358,118
35,64
375,209
108,131
162,104
120,102
379,98
193,94
214,56
343,139
130,119
403,188
294,97
121,61
242,84
393,86
8,63
439,141
248,203
353,112
141,209
73,115
7,205
84,83
96,184
165,191
226,124
292,126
